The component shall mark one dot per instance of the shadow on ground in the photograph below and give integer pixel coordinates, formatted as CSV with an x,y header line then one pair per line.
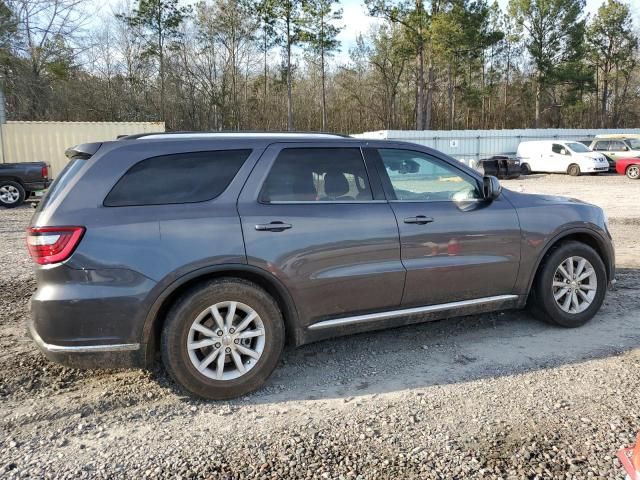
x,y
450,351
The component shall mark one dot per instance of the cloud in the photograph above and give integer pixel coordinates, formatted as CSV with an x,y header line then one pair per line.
x,y
355,21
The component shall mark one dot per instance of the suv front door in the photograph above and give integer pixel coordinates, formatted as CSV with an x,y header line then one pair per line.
x,y
455,245
314,218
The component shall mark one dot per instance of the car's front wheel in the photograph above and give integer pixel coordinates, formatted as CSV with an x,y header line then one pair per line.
x,y
222,339
570,286
633,171
573,170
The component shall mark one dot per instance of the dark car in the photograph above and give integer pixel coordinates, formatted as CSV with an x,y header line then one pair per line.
x,y
216,249
500,166
19,180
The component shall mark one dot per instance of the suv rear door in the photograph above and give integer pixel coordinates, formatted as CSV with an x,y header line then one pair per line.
x,y
314,217
455,245
618,149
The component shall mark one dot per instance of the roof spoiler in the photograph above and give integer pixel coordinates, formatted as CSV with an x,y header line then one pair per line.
x,y
84,151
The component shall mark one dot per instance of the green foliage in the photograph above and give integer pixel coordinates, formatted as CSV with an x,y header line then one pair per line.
x,y
553,29
158,21
8,29
249,64
319,30
610,35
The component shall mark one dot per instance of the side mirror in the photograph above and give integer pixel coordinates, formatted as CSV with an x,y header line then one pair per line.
x,y
491,187
625,149
563,152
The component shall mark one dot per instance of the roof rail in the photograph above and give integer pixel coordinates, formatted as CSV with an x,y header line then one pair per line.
x,y
226,132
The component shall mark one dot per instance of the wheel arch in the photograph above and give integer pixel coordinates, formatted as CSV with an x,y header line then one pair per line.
x,y
586,236
12,179
154,320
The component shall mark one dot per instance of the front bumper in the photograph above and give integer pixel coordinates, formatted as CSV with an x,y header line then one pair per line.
x,y
598,169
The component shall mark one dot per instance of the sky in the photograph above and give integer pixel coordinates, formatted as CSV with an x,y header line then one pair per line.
x,y
355,20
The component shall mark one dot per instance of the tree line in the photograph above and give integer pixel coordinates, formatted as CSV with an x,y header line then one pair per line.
x,y
271,64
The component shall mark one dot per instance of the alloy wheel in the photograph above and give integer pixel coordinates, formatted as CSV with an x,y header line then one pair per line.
x,y
574,284
226,340
633,171
9,194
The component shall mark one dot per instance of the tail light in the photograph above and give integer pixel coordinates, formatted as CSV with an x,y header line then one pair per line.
x,y
45,171
53,244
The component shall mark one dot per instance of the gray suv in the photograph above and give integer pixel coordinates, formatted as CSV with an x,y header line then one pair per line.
x,y
214,250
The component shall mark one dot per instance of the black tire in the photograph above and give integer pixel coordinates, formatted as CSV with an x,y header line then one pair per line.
x,y
12,187
633,172
542,302
525,169
573,170
182,314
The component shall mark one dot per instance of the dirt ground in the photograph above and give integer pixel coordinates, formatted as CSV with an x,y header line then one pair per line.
x,y
490,396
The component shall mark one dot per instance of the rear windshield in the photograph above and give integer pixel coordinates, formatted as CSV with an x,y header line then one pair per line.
x,y
67,174
179,178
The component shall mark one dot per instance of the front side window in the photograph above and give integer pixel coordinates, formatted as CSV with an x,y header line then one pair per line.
x,y
557,148
317,175
602,146
416,176
179,178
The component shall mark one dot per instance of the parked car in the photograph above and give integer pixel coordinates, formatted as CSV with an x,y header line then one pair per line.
x,y
19,180
617,146
629,167
560,156
500,166
215,249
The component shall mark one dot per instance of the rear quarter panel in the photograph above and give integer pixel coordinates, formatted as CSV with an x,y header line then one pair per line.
x,y
156,244
623,163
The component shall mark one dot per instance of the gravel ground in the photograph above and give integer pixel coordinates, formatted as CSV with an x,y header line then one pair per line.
x,y
488,396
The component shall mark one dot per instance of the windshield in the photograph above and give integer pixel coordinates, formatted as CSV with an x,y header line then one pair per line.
x,y
577,147
634,143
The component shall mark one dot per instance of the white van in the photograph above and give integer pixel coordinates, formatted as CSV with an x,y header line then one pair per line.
x,y
560,156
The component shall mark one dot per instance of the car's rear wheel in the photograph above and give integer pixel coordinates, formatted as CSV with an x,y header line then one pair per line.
x,y
570,286
12,194
525,169
633,171
573,170
222,339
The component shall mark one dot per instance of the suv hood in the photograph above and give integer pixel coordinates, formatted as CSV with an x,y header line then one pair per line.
x,y
543,198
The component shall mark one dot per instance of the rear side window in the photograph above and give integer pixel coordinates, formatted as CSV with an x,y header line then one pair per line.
x,y
317,175
68,173
179,178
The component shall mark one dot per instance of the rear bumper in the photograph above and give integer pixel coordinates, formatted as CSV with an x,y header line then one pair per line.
x,y
90,356
90,318
35,186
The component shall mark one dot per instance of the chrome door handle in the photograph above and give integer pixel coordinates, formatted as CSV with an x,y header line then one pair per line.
x,y
420,220
273,227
